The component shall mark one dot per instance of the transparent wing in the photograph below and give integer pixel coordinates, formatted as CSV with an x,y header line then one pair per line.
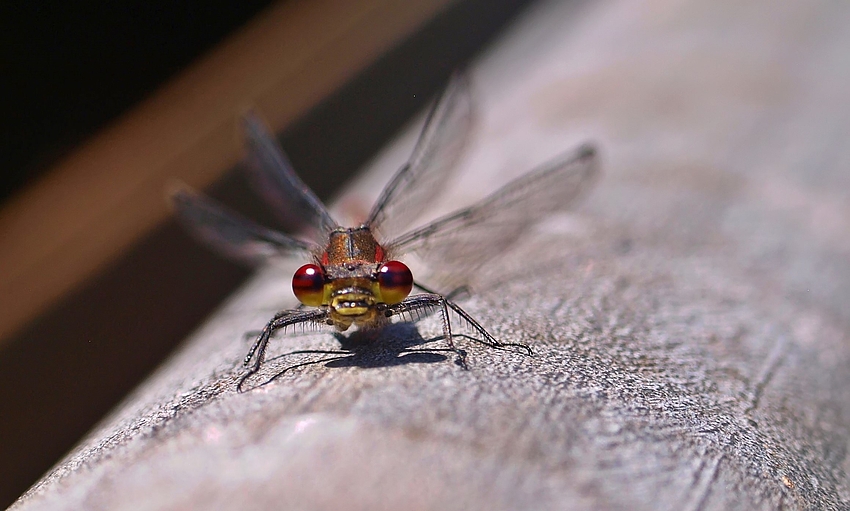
x,y
424,175
456,245
274,179
231,234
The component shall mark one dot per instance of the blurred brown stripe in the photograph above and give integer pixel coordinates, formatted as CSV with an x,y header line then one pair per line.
x,y
93,205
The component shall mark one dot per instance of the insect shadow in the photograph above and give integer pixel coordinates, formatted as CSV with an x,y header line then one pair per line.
x,y
394,345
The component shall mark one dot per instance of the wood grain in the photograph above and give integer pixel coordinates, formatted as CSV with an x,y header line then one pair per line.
x,y
690,321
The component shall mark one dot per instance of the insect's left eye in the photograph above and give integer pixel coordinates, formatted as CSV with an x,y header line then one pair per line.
x,y
395,281
308,284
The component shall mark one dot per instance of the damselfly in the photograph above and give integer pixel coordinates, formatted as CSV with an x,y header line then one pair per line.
x,y
355,276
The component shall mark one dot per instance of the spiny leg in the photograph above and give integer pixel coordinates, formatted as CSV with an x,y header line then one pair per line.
x,y
280,320
434,300
488,338
458,291
428,301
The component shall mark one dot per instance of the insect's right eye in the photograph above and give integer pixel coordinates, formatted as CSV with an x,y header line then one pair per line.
x,y
308,284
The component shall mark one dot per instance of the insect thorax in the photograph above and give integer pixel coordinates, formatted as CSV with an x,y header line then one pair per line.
x,y
352,245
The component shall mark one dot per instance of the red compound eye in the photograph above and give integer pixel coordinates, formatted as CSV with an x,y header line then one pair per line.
x,y
308,284
395,281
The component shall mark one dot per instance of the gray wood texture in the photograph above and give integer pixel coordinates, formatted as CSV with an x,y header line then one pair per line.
x,y
690,320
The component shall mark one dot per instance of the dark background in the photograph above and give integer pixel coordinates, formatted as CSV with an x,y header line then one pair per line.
x,y
73,67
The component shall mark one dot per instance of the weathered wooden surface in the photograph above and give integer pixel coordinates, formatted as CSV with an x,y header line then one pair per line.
x,y
690,320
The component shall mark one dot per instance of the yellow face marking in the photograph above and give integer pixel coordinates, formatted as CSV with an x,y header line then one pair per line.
x,y
350,297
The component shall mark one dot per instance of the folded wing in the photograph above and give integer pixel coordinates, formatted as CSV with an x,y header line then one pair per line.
x,y
456,245
425,174
231,234
273,178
